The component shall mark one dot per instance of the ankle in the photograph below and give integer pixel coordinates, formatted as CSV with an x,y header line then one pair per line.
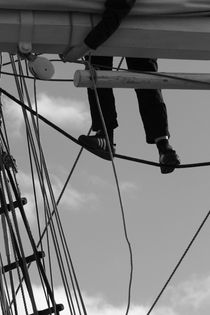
x,y
163,144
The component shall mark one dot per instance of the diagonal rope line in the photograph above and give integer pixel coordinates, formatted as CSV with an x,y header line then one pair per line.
x,y
154,164
179,262
71,172
67,135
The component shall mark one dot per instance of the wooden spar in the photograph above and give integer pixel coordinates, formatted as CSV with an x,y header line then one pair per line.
x,y
155,37
160,80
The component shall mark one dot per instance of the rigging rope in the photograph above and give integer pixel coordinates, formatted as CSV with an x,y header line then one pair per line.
x,y
49,215
92,74
79,301
70,137
179,262
118,68
35,113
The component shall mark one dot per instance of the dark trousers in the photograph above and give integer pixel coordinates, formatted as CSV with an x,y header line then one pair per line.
x,y
151,105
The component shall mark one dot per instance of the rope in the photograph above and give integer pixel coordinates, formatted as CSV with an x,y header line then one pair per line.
x,y
7,251
92,73
124,158
70,137
4,297
118,68
179,262
49,215
32,78
15,237
71,172
37,130
31,142
137,160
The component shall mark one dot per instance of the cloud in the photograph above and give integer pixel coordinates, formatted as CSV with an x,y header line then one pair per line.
x,y
193,294
94,305
129,187
62,111
190,297
13,117
72,199
125,186
98,181
25,185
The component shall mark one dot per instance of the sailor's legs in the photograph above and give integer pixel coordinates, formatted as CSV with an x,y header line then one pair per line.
x,y
151,104
106,98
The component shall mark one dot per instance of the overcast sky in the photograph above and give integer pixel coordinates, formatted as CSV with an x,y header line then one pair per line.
x,y
162,211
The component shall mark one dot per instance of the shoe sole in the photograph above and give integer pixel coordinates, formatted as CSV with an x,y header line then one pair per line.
x,y
169,164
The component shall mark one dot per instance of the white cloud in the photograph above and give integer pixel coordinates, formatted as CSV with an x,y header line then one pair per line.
x,y
13,117
98,306
190,297
72,199
193,294
125,186
98,181
65,112
94,305
129,187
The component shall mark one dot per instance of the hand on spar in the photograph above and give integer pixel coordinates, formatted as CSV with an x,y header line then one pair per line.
x,y
73,53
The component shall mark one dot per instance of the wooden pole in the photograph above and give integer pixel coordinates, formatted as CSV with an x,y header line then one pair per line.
x,y
149,80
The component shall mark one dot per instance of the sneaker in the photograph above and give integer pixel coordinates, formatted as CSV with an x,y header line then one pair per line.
x,y
97,144
168,160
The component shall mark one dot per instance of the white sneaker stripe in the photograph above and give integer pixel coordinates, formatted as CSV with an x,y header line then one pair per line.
x,y
102,143
99,142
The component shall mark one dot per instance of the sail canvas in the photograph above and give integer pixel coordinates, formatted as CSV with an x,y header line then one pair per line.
x,y
142,7
155,28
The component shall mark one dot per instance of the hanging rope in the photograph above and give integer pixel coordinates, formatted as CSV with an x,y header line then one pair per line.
x,y
77,294
38,116
48,214
92,74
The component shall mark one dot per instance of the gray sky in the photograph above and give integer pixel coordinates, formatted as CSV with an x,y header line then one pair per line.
x,y
162,211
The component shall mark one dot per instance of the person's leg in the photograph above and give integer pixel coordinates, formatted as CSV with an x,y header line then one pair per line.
x,y
98,143
154,114
106,98
151,105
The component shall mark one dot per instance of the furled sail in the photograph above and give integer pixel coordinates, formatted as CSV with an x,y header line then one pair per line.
x,y
155,28
142,7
